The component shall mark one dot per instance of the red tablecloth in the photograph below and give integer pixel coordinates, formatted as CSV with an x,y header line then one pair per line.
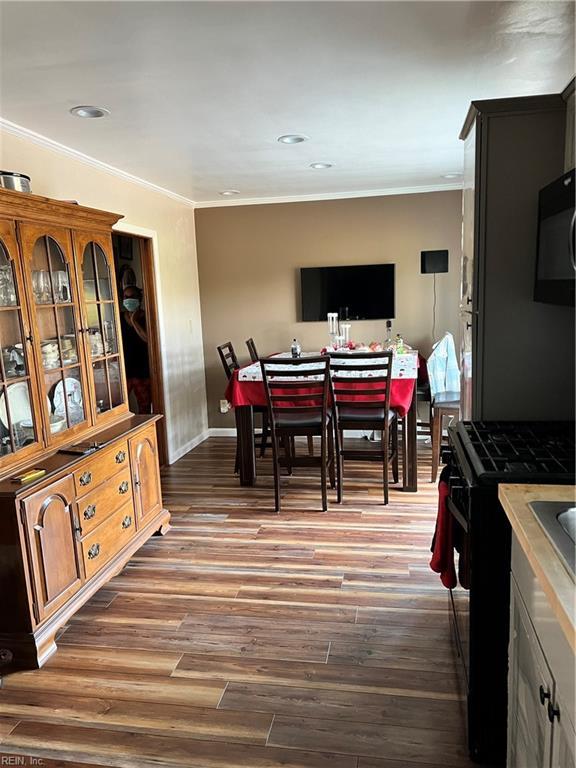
x,y
252,393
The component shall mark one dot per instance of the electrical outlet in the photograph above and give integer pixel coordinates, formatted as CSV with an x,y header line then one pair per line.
x,y
224,406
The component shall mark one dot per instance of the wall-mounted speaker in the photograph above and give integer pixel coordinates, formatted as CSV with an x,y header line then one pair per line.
x,y
433,261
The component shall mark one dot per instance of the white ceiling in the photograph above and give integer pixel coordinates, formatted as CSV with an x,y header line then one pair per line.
x,y
199,91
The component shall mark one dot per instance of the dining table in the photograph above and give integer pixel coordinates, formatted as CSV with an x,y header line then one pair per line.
x,y
246,389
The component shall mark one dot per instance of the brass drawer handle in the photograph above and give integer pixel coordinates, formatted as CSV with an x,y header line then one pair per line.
x,y
120,457
85,478
123,487
94,551
127,522
90,511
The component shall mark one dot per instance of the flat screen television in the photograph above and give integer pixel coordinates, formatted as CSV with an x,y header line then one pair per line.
x,y
555,264
356,292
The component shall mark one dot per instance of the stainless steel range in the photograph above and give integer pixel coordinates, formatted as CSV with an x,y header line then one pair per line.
x,y
482,455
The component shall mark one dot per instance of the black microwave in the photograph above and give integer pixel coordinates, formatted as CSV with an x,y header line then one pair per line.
x,y
555,261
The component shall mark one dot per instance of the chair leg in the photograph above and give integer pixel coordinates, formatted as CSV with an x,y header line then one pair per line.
x,y
385,462
340,464
323,463
394,436
265,431
436,439
276,465
287,446
331,458
310,445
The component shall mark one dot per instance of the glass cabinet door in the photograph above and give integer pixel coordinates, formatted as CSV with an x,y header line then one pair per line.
x,y
54,309
101,330
20,421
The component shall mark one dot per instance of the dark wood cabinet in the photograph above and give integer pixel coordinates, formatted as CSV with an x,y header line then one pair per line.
x,y
51,530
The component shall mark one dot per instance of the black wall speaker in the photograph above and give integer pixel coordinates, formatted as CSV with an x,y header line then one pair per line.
x,y
433,261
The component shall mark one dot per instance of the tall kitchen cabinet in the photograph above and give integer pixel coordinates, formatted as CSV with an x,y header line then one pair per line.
x,y
79,475
516,357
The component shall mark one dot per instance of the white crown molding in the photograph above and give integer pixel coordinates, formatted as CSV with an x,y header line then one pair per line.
x,y
330,195
44,141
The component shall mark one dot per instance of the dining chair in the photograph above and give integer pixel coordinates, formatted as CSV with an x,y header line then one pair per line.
x,y
252,351
443,404
297,391
228,358
361,396
230,364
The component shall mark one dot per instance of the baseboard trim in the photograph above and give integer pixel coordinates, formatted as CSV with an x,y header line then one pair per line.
x,y
222,432
173,456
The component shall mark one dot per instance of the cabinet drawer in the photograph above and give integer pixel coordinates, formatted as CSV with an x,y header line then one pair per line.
x,y
100,467
108,539
96,506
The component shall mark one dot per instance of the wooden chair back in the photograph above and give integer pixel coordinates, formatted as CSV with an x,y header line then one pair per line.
x,y
297,386
252,351
361,380
228,358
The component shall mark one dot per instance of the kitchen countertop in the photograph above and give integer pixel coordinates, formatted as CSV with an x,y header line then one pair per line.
x,y
546,564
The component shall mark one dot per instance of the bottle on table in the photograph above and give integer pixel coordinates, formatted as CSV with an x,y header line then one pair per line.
x,y
296,349
389,343
400,349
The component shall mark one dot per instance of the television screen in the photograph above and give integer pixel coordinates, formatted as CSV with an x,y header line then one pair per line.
x,y
356,293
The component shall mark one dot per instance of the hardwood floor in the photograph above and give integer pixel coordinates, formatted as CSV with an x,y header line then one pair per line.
x,y
247,639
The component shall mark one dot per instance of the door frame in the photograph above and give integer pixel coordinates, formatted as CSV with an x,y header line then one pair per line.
x,y
156,333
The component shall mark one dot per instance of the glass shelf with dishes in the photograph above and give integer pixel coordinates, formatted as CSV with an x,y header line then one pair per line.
x,y
57,344
102,328
19,433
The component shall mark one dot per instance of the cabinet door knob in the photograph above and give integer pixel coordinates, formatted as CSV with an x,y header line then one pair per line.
x,y
543,695
123,487
90,511
94,551
85,478
127,522
120,457
553,712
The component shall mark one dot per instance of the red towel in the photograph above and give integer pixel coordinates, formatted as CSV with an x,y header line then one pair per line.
x,y
442,545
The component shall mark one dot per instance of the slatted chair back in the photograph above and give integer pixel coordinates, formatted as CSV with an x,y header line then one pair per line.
x,y
228,359
252,351
297,388
361,381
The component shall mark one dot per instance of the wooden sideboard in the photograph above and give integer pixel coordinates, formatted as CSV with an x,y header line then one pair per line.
x,y
67,532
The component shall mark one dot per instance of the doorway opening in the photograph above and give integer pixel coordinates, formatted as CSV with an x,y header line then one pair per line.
x,y
136,285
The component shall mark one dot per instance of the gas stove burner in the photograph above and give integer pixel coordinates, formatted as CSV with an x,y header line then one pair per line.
x,y
521,466
519,451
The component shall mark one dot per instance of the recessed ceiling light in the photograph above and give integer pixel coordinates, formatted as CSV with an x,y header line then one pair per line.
x,y
89,112
319,166
229,192
451,175
292,138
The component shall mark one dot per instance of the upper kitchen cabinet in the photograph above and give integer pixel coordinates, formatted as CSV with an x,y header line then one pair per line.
x,y
512,149
102,340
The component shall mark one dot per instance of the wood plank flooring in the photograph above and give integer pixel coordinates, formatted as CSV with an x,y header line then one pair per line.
x,y
247,639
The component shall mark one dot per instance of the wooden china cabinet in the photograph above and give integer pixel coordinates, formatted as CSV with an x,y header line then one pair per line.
x,y
79,474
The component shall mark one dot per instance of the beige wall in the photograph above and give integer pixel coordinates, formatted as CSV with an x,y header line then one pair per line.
x,y
249,257
55,174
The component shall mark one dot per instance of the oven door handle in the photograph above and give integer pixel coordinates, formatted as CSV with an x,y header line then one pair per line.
x,y
455,512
